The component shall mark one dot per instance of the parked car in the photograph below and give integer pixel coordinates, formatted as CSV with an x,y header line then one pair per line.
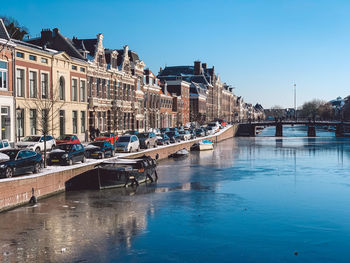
x,y
200,132
147,139
67,154
193,133
99,150
174,136
127,143
131,132
173,129
15,162
4,144
164,130
67,138
215,125
108,137
36,143
210,130
163,139
185,135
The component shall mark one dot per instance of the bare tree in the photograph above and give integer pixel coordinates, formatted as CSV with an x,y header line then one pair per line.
x,y
49,108
13,28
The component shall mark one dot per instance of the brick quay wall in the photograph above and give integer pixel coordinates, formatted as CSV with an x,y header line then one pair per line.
x,y
18,190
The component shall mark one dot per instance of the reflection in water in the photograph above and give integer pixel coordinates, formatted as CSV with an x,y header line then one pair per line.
x,y
251,200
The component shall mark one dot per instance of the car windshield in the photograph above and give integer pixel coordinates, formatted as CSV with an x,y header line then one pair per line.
x,y
199,130
182,132
170,134
124,139
31,138
64,137
11,153
65,147
99,144
142,135
105,134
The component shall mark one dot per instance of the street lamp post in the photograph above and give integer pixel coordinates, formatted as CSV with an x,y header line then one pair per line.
x,y
295,102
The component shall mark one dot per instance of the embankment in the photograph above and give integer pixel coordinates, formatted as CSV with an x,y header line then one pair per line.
x,y
18,190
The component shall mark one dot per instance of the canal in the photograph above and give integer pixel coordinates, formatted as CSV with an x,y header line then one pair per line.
x,y
262,199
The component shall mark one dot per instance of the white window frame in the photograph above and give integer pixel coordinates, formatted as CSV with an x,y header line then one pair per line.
x,y
5,73
48,84
82,98
77,91
36,83
24,81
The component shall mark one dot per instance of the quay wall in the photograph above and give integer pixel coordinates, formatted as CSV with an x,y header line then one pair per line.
x,y
18,190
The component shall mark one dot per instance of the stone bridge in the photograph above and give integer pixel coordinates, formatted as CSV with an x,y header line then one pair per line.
x,y
249,129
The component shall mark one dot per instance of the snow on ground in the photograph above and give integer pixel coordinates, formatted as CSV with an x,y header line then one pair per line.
x,y
57,168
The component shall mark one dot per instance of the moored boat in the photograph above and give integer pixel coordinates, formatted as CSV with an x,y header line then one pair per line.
x,y
202,146
125,172
180,153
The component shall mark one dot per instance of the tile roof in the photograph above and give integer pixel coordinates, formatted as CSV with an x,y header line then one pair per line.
x,y
3,31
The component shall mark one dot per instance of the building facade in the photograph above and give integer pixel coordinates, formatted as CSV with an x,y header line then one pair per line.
x,y
7,103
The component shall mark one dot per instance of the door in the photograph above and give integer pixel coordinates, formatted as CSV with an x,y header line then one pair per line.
x,y
20,163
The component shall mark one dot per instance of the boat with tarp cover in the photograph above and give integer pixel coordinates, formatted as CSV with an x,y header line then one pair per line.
x,y
125,172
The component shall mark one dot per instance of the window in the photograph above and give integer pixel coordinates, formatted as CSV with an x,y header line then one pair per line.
x,y
62,122
82,121
74,67
82,91
44,85
32,84
44,60
3,75
75,121
20,122
74,89
31,57
20,82
98,81
103,88
32,121
108,90
91,80
5,123
19,54
138,84
82,69
62,88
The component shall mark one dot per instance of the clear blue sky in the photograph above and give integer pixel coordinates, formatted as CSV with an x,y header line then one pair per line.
x,y
260,47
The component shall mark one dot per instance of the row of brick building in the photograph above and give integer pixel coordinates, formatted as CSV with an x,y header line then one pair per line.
x,y
70,85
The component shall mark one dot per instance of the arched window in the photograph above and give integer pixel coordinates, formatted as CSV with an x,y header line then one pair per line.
x,y
61,88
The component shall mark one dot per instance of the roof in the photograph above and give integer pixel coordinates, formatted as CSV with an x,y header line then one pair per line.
x,y
55,40
3,31
133,56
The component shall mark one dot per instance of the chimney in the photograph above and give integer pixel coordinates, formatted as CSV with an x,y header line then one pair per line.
x,y
46,35
204,66
197,68
55,31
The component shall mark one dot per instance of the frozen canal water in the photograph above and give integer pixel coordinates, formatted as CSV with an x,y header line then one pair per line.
x,y
260,199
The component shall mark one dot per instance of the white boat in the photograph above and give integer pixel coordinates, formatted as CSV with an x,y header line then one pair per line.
x,y
202,146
